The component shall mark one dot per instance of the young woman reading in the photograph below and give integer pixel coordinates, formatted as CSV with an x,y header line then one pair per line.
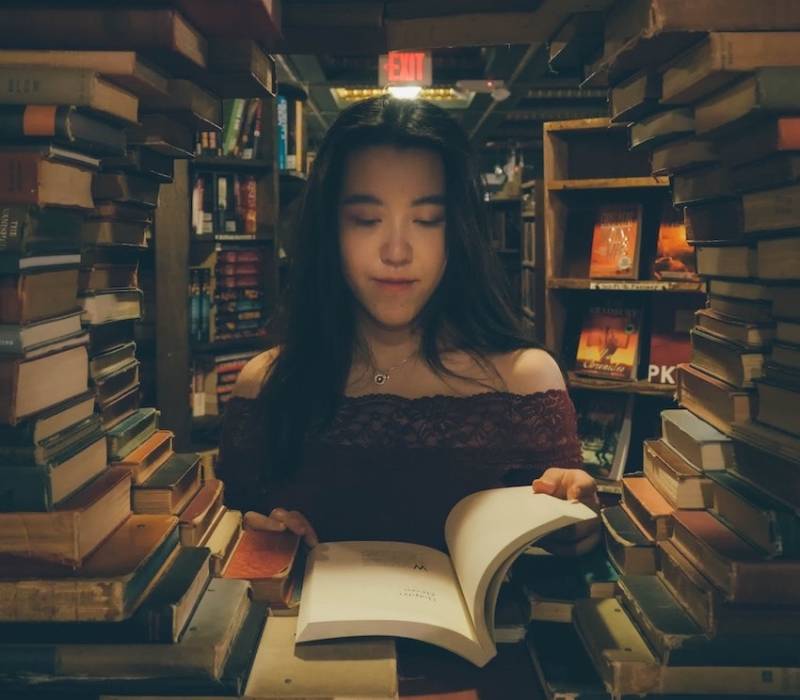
x,y
403,381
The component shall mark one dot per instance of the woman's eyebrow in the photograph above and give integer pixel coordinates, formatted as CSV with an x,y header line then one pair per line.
x,y
438,199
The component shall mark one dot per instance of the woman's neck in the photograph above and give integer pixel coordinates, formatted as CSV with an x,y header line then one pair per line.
x,y
386,347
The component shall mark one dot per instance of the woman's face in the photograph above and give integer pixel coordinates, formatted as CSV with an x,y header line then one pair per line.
x,y
392,230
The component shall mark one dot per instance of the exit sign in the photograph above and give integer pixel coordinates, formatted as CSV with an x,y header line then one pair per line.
x,y
405,68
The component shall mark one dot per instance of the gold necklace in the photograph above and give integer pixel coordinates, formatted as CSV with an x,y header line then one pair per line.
x,y
382,376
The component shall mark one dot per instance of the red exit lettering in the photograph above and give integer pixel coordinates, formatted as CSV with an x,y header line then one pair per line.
x,y
405,67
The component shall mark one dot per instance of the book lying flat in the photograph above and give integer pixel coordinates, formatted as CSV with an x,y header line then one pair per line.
x,y
396,588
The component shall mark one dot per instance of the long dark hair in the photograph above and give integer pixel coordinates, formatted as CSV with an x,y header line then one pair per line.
x,y
469,311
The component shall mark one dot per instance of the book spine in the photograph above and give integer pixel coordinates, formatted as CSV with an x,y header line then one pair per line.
x,y
10,340
19,178
45,86
26,489
231,128
205,304
283,131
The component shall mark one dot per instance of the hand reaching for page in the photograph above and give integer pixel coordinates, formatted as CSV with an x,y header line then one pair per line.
x,y
573,485
279,520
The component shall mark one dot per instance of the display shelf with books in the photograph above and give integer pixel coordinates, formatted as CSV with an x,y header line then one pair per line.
x,y
613,246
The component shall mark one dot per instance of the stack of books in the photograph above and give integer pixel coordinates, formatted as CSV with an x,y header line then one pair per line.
x,y
109,539
706,539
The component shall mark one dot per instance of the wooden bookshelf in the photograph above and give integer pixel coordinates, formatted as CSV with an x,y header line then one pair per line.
x,y
177,352
224,162
640,386
580,283
587,163
607,183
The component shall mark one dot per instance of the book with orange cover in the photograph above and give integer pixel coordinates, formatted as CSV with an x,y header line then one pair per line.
x,y
675,259
148,456
609,343
650,510
198,516
615,241
269,560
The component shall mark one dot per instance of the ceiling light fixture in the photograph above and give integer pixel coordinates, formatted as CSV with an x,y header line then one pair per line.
x,y
405,92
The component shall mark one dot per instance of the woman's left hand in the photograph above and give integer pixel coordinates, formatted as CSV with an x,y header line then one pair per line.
x,y
573,485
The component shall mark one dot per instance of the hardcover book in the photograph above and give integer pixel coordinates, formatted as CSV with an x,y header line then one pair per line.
x,y
604,427
616,241
396,588
609,343
675,258
671,319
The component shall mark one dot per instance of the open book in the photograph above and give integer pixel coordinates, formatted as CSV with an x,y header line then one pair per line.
x,y
356,589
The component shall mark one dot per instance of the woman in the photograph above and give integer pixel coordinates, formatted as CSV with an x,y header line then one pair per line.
x,y
403,382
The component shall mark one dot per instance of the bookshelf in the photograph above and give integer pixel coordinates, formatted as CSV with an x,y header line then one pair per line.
x,y
588,165
198,240
532,277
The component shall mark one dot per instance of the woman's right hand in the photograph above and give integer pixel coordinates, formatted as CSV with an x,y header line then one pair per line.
x,y
281,519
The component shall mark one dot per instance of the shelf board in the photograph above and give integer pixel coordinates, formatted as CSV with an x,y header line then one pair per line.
x,y
626,387
230,163
583,125
293,176
528,184
503,200
529,215
218,346
231,238
626,285
529,264
607,183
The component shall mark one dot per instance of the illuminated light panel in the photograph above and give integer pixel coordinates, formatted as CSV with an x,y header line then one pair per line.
x,y
446,97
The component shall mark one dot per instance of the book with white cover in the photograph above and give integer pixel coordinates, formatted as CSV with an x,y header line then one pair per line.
x,y
354,589
698,442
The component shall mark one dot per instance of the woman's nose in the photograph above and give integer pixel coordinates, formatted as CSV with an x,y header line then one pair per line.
x,y
396,247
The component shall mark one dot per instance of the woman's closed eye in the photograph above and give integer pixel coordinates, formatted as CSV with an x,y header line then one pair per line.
x,y
430,223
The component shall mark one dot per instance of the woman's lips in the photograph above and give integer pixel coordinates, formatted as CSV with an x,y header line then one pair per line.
x,y
394,284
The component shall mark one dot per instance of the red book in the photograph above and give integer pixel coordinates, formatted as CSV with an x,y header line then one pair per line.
x,y
615,241
270,561
671,320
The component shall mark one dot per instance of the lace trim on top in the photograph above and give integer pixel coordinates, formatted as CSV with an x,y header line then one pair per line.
x,y
543,421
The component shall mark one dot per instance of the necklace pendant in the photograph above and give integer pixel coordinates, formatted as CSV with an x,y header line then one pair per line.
x,y
380,378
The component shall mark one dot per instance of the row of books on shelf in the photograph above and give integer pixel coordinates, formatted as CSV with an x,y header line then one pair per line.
x,y
611,344
241,131
227,298
224,204
213,380
617,241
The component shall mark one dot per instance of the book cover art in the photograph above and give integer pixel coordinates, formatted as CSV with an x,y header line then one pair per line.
x,y
671,321
615,241
609,343
604,430
675,259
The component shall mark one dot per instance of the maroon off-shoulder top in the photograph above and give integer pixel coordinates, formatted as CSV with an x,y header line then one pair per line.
x,y
391,468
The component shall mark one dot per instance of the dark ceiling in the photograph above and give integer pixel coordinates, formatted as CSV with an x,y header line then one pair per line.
x,y
499,39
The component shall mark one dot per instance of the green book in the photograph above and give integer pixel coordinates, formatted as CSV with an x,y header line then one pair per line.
x,y
564,668
131,432
37,488
40,454
30,229
679,641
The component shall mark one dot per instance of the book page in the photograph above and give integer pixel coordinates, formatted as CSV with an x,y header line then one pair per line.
x,y
487,530
384,588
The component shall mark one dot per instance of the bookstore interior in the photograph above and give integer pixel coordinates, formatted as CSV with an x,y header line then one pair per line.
x,y
640,173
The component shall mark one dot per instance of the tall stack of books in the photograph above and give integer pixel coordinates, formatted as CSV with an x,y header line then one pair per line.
x,y
706,539
107,534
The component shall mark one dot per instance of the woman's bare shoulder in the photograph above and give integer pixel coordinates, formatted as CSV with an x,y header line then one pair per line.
x,y
253,375
529,371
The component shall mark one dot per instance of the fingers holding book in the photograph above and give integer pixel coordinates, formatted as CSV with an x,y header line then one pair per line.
x,y
281,519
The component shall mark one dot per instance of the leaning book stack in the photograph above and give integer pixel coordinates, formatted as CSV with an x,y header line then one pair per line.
x,y
707,538
109,539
